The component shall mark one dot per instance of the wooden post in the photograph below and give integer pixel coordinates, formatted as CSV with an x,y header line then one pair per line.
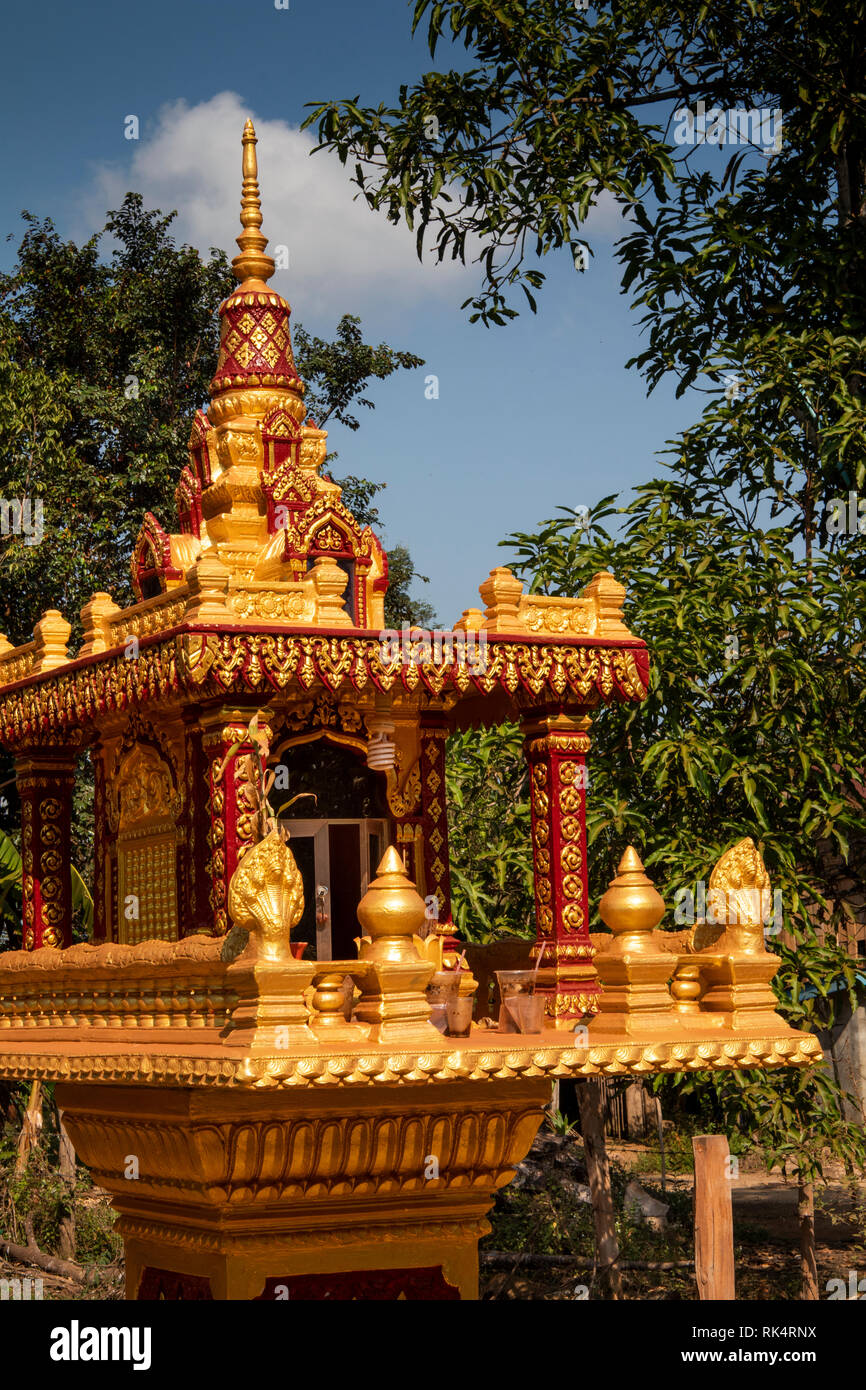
x,y
31,1129
714,1225
66,1243
808,1253
598,1172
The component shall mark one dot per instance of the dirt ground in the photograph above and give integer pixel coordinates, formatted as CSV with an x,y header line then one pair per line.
x,y
766,1238
766,1200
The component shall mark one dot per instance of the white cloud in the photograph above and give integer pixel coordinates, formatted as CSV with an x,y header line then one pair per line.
x,y
608,219
342,256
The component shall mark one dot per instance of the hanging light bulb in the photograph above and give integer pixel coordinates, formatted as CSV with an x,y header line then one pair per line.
x,y
381,748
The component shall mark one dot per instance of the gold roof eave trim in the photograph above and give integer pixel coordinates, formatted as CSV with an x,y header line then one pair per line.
x,y
273,663
484,1058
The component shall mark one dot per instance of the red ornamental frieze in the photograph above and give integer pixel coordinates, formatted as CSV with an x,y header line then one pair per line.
x,y
202,661
33,713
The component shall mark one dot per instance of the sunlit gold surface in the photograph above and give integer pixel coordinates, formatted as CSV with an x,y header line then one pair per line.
x,y
274,1183
711,979
252,267
390,912
266,896
302,1142
393,1004
596,613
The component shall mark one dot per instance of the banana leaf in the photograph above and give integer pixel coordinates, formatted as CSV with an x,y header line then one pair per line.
x,y
10,882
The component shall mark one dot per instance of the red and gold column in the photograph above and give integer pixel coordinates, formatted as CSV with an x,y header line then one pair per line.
x,y
234,788
197,916
434,813
101,859
556,747
45,780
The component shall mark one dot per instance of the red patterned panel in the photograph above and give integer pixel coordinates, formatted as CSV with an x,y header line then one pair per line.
x,y
45,779
367,1284
557,770
437,864
100,844
255,343
164,1284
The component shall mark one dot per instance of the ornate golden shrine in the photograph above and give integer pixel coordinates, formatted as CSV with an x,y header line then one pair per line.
x,y
269,603
277,1139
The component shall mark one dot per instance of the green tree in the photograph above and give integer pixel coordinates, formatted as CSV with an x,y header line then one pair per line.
x,y
490,834
743,576
102,365
754,725
553,106
337,373
400,606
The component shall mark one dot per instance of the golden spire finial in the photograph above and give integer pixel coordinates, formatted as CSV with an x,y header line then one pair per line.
x,y
631,907
391,911
252,264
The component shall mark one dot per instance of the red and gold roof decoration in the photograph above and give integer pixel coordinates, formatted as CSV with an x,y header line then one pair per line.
x,y
160,557
187,497
254,467
202,438
255,343
267,559
255,339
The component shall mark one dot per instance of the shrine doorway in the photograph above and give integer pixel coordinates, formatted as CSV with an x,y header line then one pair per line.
x,y
337,860
339,829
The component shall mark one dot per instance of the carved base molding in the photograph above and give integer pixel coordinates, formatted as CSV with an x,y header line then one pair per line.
x,y
253,1192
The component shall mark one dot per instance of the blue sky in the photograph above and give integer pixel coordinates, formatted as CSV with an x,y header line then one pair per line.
x,y
529,417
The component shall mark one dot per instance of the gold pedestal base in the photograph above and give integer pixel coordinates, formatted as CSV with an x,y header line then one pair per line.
x,y
377,1193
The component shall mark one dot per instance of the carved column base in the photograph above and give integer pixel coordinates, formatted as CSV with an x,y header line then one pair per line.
x,y
271,1012
236,1194
393,1003
635,999
572,991
738,988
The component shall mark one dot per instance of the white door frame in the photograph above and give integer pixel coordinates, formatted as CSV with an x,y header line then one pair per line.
x,y
317,829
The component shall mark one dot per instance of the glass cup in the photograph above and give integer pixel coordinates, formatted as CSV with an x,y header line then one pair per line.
x,y
528,1012
513,982
516,988
521,1010
458,1011
442,987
